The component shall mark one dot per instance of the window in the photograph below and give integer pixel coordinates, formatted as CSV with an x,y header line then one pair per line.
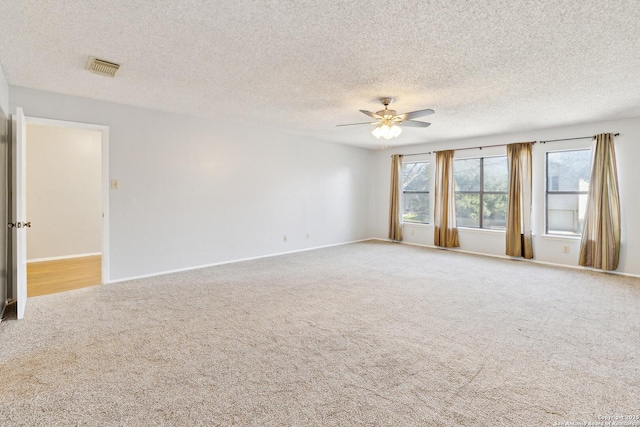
x,y
568,175
481,192
415,192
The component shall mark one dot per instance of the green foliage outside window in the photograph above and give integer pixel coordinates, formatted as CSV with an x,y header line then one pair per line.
x,y
481,192
415,192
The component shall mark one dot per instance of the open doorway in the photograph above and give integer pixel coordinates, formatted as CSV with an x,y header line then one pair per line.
x,y
65,206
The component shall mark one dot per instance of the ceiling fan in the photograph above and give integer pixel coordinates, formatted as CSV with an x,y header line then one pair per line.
x,y
388,121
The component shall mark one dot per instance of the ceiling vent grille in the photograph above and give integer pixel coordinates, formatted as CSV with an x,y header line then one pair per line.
x,y
102,67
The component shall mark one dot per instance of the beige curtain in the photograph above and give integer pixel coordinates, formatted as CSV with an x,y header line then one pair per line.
x,y
445,232
519,241
395,202
600,245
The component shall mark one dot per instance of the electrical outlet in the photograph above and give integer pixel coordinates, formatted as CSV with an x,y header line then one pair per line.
x,y
115,184
284,238
308,236
565,249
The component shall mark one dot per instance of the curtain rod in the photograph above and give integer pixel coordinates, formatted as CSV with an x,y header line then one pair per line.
x,y
571,139
459,149
502,145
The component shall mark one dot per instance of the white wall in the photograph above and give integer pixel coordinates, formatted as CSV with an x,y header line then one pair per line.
x,y
63,191
4,92
546,248
195,192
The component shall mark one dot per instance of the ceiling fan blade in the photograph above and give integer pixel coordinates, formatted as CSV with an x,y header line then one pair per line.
x,y
414,114
370,114
415,124
353,124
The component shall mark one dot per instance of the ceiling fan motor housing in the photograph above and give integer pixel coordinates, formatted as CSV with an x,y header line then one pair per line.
x,y
387,114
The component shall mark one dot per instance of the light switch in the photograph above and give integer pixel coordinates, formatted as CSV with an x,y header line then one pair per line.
x,y
115,184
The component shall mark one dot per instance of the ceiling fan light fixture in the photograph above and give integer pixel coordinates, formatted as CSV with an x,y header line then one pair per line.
x,y
386,131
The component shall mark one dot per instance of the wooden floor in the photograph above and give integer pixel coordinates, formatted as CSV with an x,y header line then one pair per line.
x,y
49,277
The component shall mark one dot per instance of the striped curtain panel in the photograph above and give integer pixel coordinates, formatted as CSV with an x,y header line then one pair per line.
x,y
444,221
600,244
519,240
395,201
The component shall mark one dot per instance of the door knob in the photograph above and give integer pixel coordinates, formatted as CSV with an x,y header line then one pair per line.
x,y
19,224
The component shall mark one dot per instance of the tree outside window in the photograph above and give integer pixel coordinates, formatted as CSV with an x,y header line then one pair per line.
x,y
415,192
481,192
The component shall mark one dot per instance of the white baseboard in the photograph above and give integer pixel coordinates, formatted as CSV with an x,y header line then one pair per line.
x,y
197,267
575,267
56,258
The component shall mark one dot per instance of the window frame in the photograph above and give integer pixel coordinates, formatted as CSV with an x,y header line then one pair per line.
x,y
427,193
547,192
481,193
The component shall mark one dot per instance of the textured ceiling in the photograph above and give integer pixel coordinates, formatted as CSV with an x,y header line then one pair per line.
x,y
303,67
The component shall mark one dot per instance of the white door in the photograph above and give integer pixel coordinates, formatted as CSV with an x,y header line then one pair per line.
x,y
19,222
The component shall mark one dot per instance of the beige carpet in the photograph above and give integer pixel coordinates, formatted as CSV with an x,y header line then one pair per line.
x,y
374,334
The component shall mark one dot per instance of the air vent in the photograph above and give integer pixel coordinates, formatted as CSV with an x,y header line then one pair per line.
x,y
100,66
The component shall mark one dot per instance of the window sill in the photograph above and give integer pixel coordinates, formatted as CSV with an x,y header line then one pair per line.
x,y
416,224
481,230
560,237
